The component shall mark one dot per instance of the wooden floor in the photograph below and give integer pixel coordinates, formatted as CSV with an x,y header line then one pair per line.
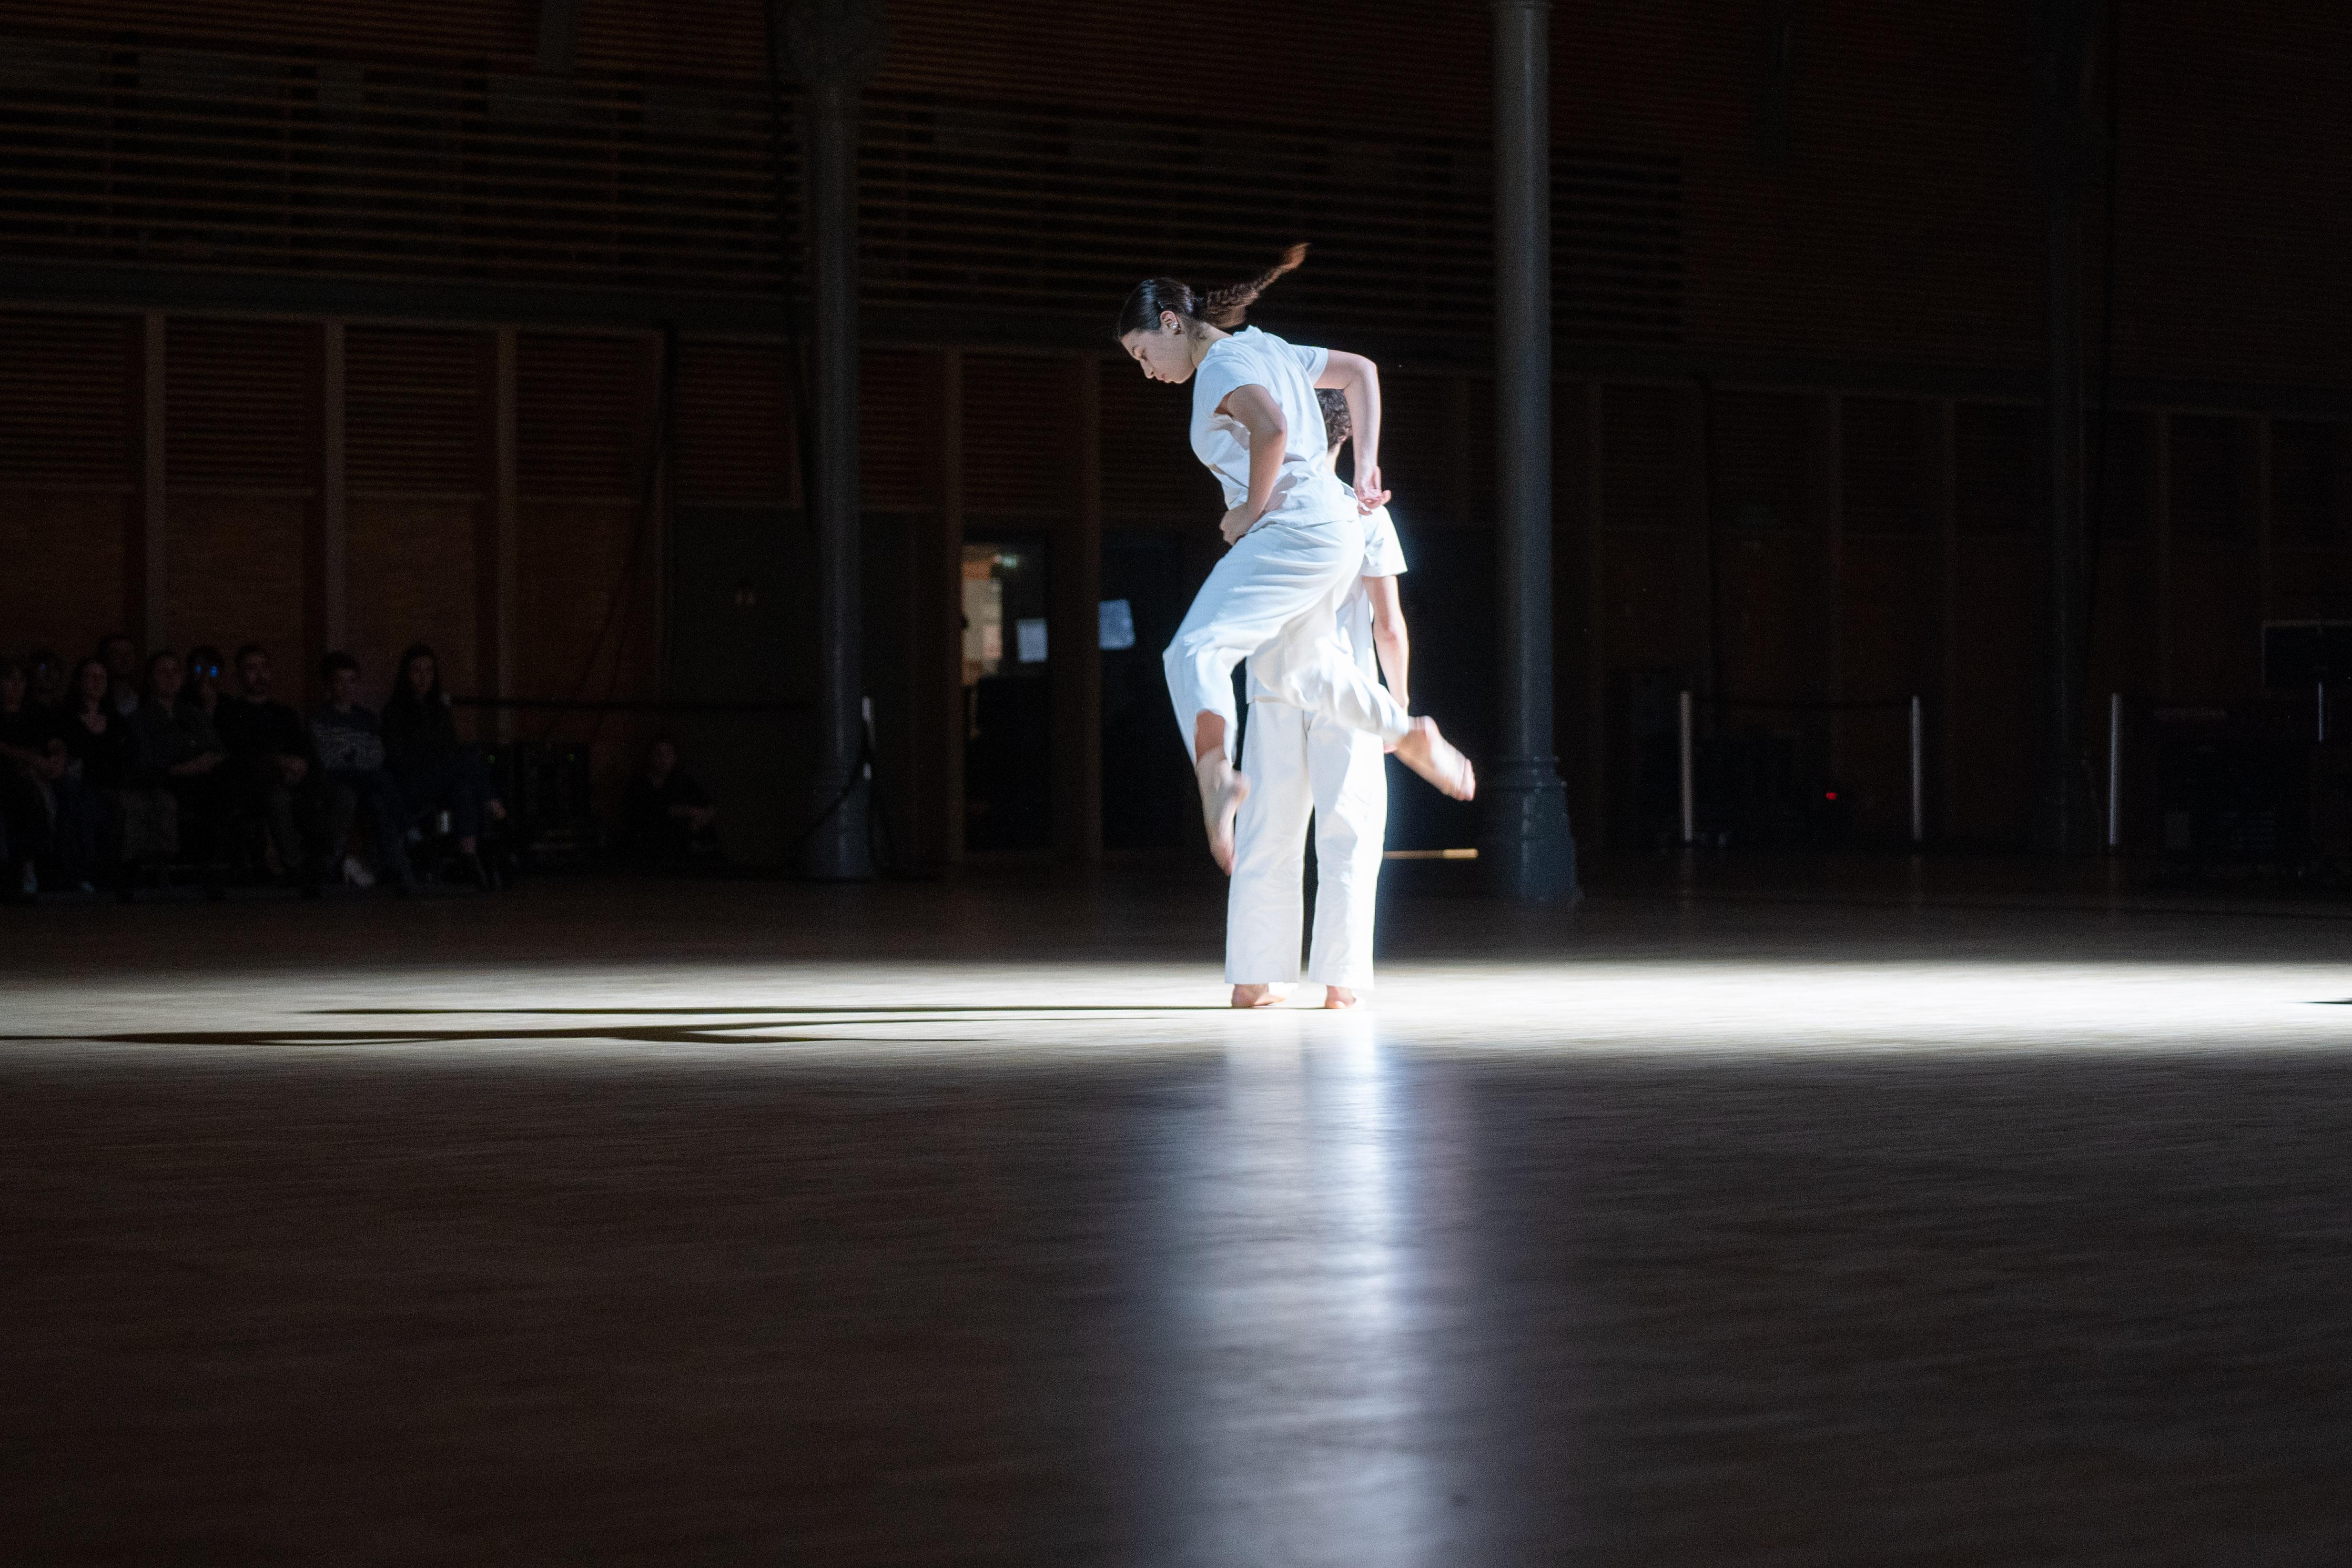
x,y
1781,1220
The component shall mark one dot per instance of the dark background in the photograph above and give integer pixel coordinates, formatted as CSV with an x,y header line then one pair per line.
x,y
345,326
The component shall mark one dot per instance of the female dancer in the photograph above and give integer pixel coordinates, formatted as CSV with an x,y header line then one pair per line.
x,y
1297,536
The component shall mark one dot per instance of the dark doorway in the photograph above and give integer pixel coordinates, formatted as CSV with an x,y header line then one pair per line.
x,y
1008,737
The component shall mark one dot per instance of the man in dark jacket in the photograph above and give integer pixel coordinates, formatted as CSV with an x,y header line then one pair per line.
x,y
275,771
349,744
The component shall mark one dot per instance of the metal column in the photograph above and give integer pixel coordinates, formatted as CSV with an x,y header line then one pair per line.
x,y
1523,839
833,47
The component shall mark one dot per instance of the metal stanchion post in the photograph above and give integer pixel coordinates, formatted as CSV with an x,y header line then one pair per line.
x,y
2114,772
1919,774
1690,809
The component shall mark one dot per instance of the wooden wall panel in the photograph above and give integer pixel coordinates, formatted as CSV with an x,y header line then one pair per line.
x,y
579,558
2119,475
1884,485
2232,118
236,569
2214,612
1873,198
2123,627
734,424
1993,690
585,406
416,413
1758,446
2213,479
1997,469
244,400
2310,482
898,455
1018,414
1648,477
69,586
503,28
1149,476
1771,615
66,400
2311,583
1891,603
414,571
1653,597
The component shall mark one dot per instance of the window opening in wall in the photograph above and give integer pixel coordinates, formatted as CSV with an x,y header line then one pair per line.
x,y
1008,710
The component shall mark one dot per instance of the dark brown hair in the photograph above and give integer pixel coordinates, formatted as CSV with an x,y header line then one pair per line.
x,y
1337,425
1227,307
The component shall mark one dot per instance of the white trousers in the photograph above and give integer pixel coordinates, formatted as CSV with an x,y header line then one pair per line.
x,y
1276,594
1299,762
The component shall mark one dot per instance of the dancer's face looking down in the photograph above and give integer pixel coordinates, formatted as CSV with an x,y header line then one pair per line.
x,y
1167,354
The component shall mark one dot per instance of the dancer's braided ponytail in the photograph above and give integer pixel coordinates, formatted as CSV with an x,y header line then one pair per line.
x,y
1227,308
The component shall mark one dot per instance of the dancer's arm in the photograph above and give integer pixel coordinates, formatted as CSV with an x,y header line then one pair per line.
x,y
1389,639
1359,378
1258,413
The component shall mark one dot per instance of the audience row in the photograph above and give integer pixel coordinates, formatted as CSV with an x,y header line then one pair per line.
x,y
121,763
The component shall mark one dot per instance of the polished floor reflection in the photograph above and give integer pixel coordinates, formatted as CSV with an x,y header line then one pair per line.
x,y
1862,1224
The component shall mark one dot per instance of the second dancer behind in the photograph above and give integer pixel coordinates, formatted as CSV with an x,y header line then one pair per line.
x,y
1302,766
1297,536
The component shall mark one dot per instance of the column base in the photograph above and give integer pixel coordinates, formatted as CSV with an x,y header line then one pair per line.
x,y
1525,848
837,850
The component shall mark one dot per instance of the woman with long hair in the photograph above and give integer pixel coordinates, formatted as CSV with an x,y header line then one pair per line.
x,y
97,797
1297,536
434,769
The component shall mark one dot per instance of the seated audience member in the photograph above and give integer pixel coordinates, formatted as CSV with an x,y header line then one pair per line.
x,y
32,764
120,654
202,675
180,749
102,813
666,815
437,771
349,745
47,674
273,772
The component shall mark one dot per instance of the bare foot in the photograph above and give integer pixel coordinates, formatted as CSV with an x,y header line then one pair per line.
x,y
1223,790
1427,753
1337,997
1255,996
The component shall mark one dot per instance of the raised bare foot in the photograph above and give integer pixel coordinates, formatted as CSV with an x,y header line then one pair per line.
x,y
1429,754
1223,790
1256,996
1337,997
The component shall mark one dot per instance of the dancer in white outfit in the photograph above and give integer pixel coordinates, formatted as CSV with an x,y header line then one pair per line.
x,y
1299,763
1297,536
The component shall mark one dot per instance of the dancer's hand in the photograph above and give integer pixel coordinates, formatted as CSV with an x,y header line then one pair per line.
x,y
1370,496
1238,521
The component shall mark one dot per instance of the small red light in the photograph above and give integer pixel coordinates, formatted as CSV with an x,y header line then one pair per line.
x,y
1829,794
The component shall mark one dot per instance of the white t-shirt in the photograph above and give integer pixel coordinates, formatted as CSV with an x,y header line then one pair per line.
x,y
1288,372
1383,557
